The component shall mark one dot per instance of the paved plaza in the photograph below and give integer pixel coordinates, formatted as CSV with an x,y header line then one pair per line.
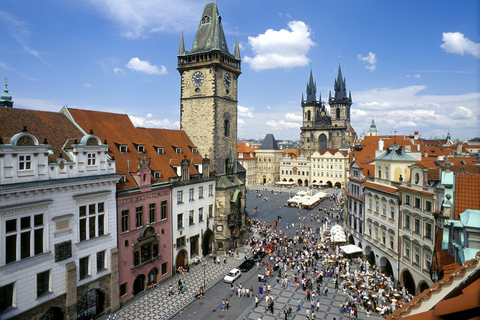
x,y
157,304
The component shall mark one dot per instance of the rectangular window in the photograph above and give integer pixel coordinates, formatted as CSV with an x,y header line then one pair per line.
x,y
428,262
164,268
180,242
407,250
428,206
384,209
91,226
370,230
179,220
190,195
152,212
210,211
43,283
210,190
417,203
384,238
377,207
141,149
407,222
191,217
200,214
6,297
123,148
370,203
91,159
125,221
163,209
391,242
100,261
25,233
178,150
428,230
83,268
138,216
157,175
160,151
417,256
392,212
200,192
407,200
417,226
24,162
123,289
179,196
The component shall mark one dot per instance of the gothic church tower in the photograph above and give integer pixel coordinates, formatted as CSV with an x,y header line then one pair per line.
x,y
209,75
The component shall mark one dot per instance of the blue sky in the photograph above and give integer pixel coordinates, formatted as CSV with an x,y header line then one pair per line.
x,y
410,65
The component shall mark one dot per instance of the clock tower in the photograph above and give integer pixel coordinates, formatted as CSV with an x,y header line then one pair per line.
x,y
209,75
208,114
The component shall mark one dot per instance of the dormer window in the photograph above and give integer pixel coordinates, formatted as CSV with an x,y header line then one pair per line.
x,y
160,151
194,150
206,19
178,150
123,179
123,148
157,175
141,148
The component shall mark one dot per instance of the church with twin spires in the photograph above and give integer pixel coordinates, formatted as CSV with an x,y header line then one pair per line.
x,y
322,128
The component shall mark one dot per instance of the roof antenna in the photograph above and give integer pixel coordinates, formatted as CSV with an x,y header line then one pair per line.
x,y
395,136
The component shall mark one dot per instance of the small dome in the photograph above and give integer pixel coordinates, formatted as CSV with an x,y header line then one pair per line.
x,y
373,127
5,96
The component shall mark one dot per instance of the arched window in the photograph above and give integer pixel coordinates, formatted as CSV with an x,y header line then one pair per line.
x,y
379,172
387,173
226,126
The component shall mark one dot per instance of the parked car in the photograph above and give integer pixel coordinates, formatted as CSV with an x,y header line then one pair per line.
x,y
246,265
233,275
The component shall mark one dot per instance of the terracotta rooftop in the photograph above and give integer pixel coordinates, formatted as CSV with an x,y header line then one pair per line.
x,y
456,296
248,152
53,126
293,153
118,130
467,192
333,151
380,187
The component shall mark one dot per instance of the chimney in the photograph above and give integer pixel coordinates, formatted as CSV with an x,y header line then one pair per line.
x,y
380,144
415,135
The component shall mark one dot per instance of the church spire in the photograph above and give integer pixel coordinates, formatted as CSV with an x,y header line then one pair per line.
x,y
6,98
311,88
340,86
181,48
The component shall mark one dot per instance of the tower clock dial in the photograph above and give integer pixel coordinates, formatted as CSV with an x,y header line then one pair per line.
x,y
227,80
197,78
323,113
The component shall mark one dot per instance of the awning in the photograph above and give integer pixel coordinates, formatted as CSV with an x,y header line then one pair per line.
x,y
351,248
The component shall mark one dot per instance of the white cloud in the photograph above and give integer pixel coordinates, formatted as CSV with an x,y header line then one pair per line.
x,y
149,122
280,49
455,42
405,109
370,59
268,107
293,117
145,66
137,19
87,85
118,71
245,112
282,124
417,76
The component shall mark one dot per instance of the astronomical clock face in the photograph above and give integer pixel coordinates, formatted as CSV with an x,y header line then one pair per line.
x,y
323,113
197,78
219,228
227,80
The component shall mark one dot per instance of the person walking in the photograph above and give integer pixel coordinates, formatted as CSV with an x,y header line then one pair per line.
x,y
227,304
299,305
257,299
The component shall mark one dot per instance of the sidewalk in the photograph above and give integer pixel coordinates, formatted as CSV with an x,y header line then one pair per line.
x,y
157,304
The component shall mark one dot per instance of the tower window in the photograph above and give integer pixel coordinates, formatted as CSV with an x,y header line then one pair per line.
x,y
226,126
205,20
308,115
337,113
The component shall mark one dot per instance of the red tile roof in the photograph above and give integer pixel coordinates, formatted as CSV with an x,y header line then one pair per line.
x,y
467,192
333,151
53,126
378,186
118,130
246,150
460,302
293,153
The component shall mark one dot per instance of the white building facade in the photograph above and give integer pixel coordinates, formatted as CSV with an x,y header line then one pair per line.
x,y
58,239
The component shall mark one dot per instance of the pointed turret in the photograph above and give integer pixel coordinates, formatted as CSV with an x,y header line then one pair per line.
x,y
181,48
237,48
